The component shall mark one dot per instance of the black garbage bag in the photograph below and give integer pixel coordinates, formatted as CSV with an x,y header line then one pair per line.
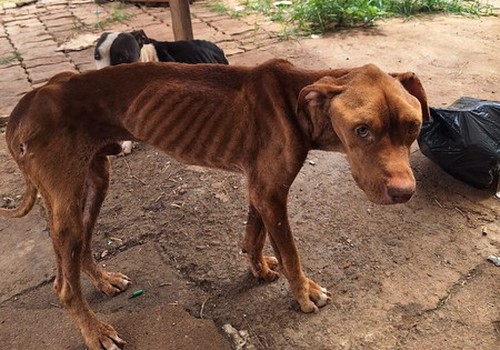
x,y
464,140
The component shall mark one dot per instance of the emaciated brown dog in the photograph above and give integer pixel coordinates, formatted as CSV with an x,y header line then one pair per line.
x,y
259,121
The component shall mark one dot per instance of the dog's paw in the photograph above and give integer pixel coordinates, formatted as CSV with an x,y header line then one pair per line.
x,y
113,283
127,147
266,269
315,297
102,336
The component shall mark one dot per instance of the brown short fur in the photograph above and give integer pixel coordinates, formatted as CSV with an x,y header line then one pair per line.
x,y
259,121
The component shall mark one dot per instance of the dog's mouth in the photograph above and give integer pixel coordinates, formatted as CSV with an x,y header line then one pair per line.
x,y
395,192
390,192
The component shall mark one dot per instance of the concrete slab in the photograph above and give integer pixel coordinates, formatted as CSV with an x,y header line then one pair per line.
x,y
154,320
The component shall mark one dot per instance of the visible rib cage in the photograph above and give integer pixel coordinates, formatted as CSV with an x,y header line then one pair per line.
x,y
192,127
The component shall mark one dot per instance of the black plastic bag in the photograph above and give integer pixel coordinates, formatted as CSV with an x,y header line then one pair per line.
x,y
464,140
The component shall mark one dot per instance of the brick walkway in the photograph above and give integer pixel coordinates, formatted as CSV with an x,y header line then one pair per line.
x,y
31,36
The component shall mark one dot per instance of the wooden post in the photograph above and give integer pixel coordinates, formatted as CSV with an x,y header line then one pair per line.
x,y
181,19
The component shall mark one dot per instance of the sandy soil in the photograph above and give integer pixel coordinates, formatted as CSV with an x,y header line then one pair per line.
x,y
412,276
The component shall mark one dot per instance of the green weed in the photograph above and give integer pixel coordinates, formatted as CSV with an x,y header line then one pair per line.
x,y
221,8
4,60
314,16
117,15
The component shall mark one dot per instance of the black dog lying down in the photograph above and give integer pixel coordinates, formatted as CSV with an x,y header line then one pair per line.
x,y
121,47
127,47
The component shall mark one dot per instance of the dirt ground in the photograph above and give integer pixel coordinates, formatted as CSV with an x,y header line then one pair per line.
x,y
411,276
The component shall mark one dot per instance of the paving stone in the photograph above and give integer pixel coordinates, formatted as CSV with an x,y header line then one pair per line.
x,y
10,94
85,67
24,46
230,48
251,46
164,15
232,26
60,22
15,17
62,36
24,24
5,47
26,38
69,29
64,11
118,27
203,29
12,73
35,10
18,30
253,35
57,9
44,73
81,2
85,10
82,57
144,20
196,20
46,51
256,43
44,61
160,32
53,16
52,2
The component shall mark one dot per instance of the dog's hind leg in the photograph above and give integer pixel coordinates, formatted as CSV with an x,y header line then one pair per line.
x,y
96,187
67,237
263,267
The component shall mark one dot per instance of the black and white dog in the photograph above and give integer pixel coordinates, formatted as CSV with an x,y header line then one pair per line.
x,y
128,47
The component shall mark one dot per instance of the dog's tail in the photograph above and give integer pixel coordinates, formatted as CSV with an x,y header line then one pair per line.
x,y
26,205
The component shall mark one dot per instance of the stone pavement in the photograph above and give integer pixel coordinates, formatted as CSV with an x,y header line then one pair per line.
x,y
32,37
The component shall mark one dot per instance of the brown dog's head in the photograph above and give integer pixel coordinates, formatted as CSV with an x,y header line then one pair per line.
x,y
376,117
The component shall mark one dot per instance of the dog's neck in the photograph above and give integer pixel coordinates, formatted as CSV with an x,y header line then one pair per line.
x,y
318,129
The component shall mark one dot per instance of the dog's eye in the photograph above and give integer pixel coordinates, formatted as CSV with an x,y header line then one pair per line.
x,y
362,131
97,55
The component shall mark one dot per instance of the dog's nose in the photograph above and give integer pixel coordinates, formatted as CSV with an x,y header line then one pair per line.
x,y
400,192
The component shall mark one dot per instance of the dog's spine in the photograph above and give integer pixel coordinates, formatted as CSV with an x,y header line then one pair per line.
x,y
26,205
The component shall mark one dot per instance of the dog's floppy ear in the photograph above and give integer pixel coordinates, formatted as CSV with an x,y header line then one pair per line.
x,y
413,85
141,37
318,94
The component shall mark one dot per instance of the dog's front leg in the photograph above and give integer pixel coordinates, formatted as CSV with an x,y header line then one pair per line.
x,y
271,205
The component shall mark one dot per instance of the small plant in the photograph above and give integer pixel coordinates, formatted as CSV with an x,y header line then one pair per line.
x,y
413,7
4,60
322,15
310,16
7,59
220,7
117,15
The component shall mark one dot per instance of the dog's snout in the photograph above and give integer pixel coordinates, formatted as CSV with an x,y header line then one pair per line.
x,y
400,192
